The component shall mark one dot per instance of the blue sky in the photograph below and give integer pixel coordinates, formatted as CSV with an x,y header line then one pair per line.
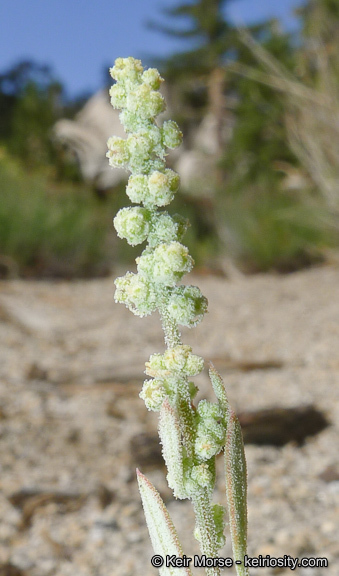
x,y
79,39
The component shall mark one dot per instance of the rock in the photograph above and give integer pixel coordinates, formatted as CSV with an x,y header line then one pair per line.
x,y
146,451
330,474
278,426
69,444
31,501
36,372
9,569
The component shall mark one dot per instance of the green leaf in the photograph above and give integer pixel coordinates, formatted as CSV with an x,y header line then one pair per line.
x,y
170,435
219,389
236,490
163,535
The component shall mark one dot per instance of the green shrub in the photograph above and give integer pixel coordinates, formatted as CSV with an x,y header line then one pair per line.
x,y
264,230
49,229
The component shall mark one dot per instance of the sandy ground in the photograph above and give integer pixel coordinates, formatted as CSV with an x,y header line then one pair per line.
x,y
72,428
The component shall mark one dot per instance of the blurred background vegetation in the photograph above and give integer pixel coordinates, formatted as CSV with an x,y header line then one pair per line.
x,y
271,201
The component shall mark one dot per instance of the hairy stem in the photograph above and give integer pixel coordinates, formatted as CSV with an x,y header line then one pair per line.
x,y
170,328
185,411
205,524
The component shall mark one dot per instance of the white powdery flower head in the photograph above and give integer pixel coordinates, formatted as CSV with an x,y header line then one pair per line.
x,y
137,294
133,224
145,102
167,264
181,360
202,475
127,71
117,154
152,78
162,186
190,437
187,305
178,360
171,134
153,393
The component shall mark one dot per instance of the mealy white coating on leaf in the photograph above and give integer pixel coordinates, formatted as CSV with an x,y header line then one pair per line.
x,y
236,490
169,432
219,390
219,513
218,518
163,535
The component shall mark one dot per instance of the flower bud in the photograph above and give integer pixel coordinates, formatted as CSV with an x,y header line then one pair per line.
x,y
208,410
152,77
206,445
171,134
153,393
156,367
127,71
137,188
133,224
136,293
144,149
145,102
139,150
118,153
181,360
163,231
118,96
166,264
163,186
187,305
210,420
202,475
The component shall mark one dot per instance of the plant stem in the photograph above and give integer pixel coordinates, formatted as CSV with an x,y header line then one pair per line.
x,y
201,501
170,328
186,414
203,513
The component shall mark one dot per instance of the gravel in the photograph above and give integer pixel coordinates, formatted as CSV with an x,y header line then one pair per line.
x,y
71,368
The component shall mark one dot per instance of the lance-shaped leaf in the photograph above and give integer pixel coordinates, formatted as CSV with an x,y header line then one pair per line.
x,y
236,490
219,389
170,435
163,535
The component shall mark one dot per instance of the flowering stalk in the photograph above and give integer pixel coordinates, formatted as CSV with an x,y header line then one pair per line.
x,y
191,436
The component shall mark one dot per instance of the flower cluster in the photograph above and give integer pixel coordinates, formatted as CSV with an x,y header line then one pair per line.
x,y
162,264
210,436
166,370
164,260
191,436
